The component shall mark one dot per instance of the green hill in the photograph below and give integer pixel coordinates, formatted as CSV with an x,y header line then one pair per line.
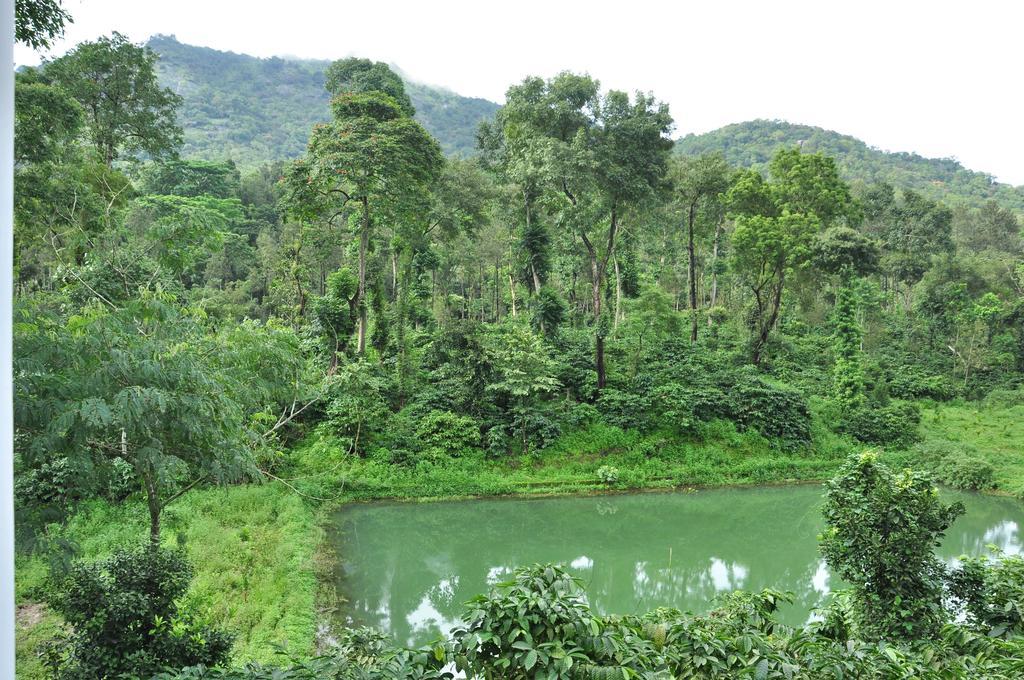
x,y
753,143
254,110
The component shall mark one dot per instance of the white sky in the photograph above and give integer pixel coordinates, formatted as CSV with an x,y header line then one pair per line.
x,y
938,78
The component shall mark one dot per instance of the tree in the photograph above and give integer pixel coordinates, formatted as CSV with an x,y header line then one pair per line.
x,y
524,371
698,182
776,225
135,383
192,178
594,156
355,75
881,531
126,110
372,163
46,120
37,22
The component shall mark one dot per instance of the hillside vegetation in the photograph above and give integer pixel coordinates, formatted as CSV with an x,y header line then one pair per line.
x,y
253,110
753,143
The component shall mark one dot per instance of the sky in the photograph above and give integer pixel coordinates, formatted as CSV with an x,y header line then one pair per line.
x,y
942,79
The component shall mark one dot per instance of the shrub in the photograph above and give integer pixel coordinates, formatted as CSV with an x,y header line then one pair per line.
x,y
530,627
356,654
956,465
1002,397
608,474
991,593
684,407
125,620
881,528
894,425
625,409
448,433
776,411
913,382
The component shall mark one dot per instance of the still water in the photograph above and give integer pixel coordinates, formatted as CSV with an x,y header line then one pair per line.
x,y
408,568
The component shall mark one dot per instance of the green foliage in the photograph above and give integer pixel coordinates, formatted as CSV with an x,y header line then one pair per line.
x,y
881,529
956,465
776,411
192,178
991,592
126,620
892,425
609,474
848,374
38,22
753,143
256,111
357,654
531,627
127,112
448,433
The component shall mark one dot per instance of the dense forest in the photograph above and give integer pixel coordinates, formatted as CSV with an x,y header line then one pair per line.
x,y
210,353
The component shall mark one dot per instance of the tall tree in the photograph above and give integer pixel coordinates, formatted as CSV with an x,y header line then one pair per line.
x,y
126,110
363,75
371,163
698,182
776,224
596,155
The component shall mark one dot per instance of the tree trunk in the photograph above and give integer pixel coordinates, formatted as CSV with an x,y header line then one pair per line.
x,y
364,243
766,325
618,292
691,252
595,292
153,502
714,268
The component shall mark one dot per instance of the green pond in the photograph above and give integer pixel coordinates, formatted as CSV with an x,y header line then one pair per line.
x,y
408,568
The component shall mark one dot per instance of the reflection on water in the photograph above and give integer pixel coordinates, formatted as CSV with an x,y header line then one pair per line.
x,y
409,568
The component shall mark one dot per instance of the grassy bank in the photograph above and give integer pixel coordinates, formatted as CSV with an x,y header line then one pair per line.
x,y
994,430
254,547
253,550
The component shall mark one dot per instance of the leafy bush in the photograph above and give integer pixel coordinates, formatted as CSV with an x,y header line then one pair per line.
x,y
776,411
608,474
448,433
530,627
684,407
913,382
991,592
894,424
625,409
956,465
1002,397
881,531
357,654
125,618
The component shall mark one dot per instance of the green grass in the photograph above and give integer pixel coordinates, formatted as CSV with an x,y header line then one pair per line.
x,y
322,469
995,430
254,553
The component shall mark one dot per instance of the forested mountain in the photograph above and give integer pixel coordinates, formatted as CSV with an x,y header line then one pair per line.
x,y
254,110
754,142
